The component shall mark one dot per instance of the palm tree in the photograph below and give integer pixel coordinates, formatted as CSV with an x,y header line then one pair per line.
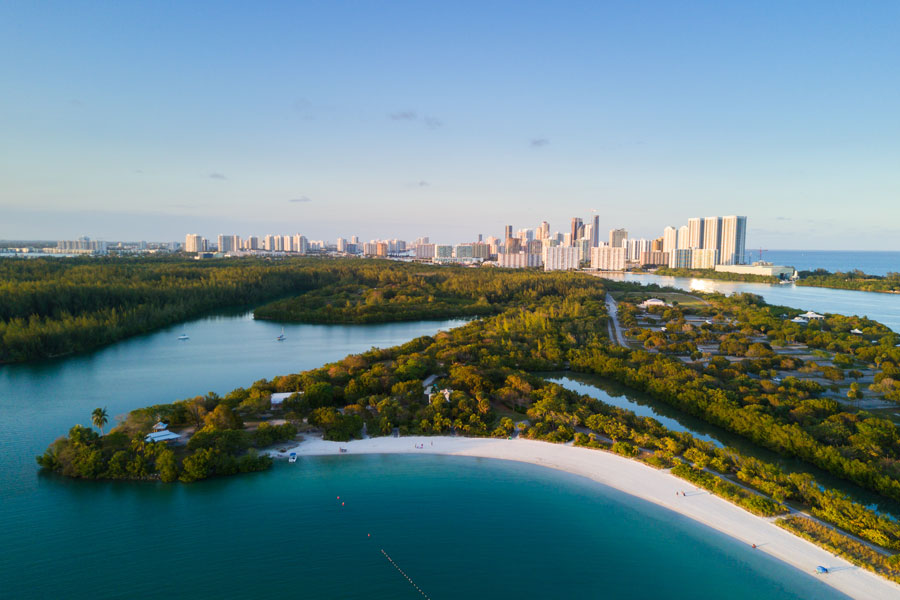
x,y
99,418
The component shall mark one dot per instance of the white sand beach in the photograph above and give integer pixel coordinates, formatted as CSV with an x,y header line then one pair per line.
x,y
642,481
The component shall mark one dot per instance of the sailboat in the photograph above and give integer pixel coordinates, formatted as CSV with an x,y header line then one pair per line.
x,y
281,337
183,337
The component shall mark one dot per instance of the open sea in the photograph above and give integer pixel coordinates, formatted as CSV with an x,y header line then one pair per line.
x,y
873,263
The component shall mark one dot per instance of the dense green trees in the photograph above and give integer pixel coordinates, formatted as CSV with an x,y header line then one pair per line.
x,y
852,280
53,307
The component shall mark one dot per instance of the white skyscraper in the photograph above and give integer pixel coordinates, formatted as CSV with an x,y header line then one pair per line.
x,y
670,239
608,258
194,242
695,233
734,239
712,233
560,258
683,237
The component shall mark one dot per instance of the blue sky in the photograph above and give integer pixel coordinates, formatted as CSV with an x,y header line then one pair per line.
x,y
406,119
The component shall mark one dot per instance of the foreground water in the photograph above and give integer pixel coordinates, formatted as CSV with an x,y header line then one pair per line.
x,y
457,526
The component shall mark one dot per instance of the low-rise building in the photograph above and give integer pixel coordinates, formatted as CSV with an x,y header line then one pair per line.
x,y
766,269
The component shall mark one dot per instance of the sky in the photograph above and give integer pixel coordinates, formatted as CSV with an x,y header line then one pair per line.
x,y
128,121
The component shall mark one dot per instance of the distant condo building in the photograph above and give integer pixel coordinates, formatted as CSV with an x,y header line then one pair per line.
x,y
654,258
424,251
608,258
83,245
560,258
680,258
520,260
194,242
734,234
704,258
695,233
617,237
670,239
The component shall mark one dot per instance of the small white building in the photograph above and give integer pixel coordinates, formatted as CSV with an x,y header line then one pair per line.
x,y
856,331
812,316
161,436
799,320
652,302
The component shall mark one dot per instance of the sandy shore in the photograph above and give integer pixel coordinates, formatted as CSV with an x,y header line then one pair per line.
x,y
638,480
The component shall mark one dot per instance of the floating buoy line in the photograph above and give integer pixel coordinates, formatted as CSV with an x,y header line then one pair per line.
x,y
411,582
396,566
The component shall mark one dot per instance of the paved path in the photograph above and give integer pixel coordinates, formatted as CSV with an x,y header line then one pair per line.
x,y
613,310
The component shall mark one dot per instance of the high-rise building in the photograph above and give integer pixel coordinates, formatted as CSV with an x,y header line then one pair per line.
x,y
683,237
252,243
712,233
576,230
595,231
194,242
463,251
680,258
424,251
654,258
704,258
560,258
636,247
301,244
507,233
617,237
695,233
608,258
287,244
734,240
543,231
512,245
443,251
670,239
341,245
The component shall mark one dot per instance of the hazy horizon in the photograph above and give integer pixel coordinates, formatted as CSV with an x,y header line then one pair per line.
x,y
402,120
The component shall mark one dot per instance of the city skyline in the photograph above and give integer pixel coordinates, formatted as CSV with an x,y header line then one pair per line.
x,y
152,122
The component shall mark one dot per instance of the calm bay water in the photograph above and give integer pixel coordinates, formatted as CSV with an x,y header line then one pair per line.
x,y
456,526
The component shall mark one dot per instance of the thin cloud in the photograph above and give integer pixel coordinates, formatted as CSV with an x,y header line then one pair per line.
x,y
539,142
219,176
404,115
301,199
423,183
433,122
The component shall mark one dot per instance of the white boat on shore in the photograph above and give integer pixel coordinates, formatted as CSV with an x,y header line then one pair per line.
x,y
183,337
292,457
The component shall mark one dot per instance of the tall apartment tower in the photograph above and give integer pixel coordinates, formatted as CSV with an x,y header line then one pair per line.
x,y
194,242
695,233
712,233
595,231
508,232
617,237
734,240
545,230
683,237
576,229
670,239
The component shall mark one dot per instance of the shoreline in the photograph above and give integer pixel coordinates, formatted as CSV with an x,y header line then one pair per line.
x,y
636,479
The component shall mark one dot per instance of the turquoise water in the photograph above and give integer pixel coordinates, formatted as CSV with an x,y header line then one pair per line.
x,y
458,527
